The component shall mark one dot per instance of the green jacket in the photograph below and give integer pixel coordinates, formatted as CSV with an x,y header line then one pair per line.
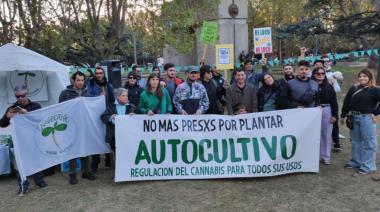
x,y
149,101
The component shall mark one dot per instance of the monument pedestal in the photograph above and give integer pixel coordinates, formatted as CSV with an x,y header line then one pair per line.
x,y
232,30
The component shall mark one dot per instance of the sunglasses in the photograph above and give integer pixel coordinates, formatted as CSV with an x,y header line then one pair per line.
x,y
20,96
132,78
319,74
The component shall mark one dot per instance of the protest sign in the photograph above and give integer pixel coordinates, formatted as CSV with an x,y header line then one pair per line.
x,y
216,146
262,38
224,56
209,33
58,133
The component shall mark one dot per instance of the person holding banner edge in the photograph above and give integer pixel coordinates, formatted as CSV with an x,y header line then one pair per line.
x,y
97,86
22,106
121,106
78,89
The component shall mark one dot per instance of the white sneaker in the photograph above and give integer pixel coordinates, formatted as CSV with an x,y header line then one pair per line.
x,y
326,162
341,136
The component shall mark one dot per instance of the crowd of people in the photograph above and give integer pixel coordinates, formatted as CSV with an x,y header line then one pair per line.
x,y
205,91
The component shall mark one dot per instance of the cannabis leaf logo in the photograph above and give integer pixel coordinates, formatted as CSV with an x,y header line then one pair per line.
x,y
26,74
51,130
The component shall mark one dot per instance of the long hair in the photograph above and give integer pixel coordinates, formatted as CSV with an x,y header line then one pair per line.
x,y
265,84
367,72
315,70
158,92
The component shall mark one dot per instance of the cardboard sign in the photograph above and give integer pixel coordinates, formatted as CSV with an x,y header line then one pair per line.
x,y
209,34
262,39
224,56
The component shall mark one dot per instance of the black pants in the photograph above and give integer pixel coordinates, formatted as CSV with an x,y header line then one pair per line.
x,y
85,165
335,132
96,160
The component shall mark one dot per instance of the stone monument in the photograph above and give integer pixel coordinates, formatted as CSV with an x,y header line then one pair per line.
x,y
233,29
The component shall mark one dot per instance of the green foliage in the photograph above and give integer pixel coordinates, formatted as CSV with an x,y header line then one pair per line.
x,y
181,18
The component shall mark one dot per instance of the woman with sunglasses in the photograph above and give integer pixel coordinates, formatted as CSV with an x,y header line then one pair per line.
x,y
326,99
155,99
268,94
134,89
361,105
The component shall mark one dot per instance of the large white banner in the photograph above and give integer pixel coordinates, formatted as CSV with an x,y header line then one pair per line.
x,y
58,133
214,146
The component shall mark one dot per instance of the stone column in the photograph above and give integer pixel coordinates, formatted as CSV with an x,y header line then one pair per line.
x,y
227,33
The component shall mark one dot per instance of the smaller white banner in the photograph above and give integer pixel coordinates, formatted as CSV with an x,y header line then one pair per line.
x,y
59,133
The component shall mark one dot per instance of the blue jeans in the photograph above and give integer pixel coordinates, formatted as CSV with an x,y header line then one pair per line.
x,y
364,143
37,178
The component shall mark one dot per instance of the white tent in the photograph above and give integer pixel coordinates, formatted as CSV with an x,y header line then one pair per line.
x,y
17,59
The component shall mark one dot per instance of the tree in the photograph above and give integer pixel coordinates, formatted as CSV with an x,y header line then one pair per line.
x,y
181,18
355,21
8,12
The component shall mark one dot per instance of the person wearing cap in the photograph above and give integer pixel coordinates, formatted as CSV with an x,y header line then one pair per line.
x,y
299,92
26,105
97,86
214,92
134,89
241,92
190,96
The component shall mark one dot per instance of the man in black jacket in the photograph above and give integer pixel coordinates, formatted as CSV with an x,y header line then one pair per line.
x,y
23,105
97,86
78,89
214,92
